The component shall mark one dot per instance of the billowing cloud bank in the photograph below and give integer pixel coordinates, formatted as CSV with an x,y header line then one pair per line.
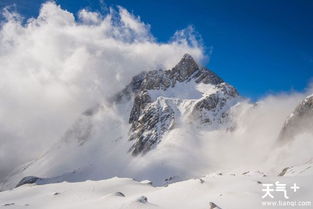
x,y
251,146
55,66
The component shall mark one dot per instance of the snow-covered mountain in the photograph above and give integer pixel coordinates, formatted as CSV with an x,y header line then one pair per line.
x,y
134,122
158,129
162,99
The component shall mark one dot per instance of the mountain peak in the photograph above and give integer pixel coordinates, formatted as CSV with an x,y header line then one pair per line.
x,y
187,57
157,97
186,67
186,70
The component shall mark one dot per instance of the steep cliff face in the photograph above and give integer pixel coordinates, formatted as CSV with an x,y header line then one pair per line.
x,y
299,122
163,99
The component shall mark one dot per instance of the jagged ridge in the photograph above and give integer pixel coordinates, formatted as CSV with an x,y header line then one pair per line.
x,y
151,118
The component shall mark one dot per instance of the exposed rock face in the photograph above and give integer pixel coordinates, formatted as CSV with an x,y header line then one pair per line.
x,y
214,104
162,98
213,206
28,180
155,120
300,121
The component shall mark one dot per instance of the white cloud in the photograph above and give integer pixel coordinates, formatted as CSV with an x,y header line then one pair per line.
x,y
88,17
55,66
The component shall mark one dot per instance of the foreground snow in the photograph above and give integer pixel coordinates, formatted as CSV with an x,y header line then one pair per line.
x,y
226,190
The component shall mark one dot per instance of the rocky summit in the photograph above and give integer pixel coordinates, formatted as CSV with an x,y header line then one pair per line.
x,y
161,99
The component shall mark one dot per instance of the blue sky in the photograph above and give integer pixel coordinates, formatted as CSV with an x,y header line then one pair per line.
x,y
260,47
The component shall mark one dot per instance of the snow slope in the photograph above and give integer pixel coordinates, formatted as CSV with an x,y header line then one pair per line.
x,y
226,190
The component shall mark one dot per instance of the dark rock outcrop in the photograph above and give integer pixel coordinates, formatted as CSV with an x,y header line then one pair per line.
x,y
213,206
119,194
28,180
